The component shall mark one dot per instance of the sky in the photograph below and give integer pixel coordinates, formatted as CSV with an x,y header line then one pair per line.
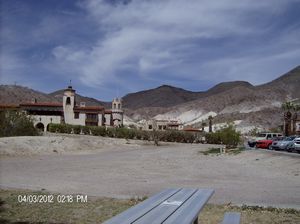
x,y
109,48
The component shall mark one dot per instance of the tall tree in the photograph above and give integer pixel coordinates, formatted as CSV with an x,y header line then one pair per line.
x,y
296,108
287,114
210,118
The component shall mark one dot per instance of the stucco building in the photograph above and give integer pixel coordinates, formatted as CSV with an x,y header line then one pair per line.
x,y
70,112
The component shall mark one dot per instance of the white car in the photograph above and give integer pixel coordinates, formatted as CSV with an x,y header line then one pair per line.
x,y
297,144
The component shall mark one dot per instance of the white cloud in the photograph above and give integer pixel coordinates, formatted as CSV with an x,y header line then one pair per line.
x,y
158,40
158,36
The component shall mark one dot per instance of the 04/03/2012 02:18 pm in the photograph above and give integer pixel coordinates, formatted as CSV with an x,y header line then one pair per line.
x,y
49,198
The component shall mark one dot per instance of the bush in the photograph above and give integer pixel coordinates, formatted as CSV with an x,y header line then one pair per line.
x,y
61,128
227,135
167,136
15,123
99,131
76,129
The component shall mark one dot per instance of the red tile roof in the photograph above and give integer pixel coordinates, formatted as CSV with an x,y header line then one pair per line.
x,y
42,104
89,108
192,129
9,106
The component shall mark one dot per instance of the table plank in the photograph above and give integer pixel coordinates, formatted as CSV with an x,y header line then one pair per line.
x,y
135,212
166,208
189,211
231,218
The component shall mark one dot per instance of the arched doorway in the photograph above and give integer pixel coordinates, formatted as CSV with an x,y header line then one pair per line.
x,y
40,126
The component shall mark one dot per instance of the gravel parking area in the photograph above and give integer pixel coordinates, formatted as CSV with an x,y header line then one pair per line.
x,y
121,169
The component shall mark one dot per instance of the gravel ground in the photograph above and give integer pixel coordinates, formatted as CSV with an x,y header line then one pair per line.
x,y
120,169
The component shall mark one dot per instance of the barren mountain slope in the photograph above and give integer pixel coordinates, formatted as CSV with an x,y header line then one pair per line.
x,y
13,94
79,98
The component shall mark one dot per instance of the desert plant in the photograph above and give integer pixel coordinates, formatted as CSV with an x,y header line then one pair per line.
x,y
226,135
15,123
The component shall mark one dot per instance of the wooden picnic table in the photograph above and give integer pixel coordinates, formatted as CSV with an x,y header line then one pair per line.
x,y
176,206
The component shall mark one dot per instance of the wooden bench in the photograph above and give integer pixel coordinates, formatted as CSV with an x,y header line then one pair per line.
x,y
176,206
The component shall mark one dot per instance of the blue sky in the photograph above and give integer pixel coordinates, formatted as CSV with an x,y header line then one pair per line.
x,y
113,47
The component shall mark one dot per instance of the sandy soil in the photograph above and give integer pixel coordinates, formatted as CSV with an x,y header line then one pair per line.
x,y
113,168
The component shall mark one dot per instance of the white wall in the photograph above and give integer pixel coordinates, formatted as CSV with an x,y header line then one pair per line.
x,y
45,120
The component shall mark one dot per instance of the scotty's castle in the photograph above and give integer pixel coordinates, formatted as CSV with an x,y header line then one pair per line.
x,y
69,112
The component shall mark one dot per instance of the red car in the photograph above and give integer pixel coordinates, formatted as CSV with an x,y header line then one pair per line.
x,y
264,144
267,143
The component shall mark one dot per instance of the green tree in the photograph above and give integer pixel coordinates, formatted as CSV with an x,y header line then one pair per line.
x,y
15,123
210,118
287,107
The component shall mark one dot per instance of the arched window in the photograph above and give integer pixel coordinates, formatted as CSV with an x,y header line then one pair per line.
x,y
114,106
68,101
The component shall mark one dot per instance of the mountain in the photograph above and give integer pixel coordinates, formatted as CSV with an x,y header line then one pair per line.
x,y
13,94
239,102
246,105
58,95
162,96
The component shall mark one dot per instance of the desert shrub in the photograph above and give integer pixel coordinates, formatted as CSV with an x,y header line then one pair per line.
x,y
227,135
61,128
86,130
54,127
98,131
14,123
124,133
76,129
110,132
167,136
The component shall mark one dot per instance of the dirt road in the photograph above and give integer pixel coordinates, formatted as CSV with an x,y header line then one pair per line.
x,y
125,170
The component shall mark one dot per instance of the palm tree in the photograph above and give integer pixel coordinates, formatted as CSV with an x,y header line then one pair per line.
x,y
210,118
203,124
296,108
287,107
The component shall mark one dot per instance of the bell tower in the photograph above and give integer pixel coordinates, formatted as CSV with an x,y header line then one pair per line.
x,y
117,112
68,104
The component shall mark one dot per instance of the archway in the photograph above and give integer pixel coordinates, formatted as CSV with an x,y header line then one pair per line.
x,y
40,126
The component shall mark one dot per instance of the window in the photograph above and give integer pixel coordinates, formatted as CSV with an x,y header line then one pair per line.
x,y
119,106
76,115
93,117
68,102
268,136
150,126
115,106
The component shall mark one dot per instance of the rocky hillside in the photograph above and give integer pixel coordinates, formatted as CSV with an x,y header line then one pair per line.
x,y
238,101
162,96
246,104
13,94
58,95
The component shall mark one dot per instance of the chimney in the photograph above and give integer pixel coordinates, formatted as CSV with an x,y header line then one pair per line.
x,y
82,104
33,100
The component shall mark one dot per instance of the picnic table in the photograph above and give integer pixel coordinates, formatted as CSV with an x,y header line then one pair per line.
x,y
176,206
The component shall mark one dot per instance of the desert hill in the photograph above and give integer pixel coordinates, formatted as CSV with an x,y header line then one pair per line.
x,y
58,95
237,101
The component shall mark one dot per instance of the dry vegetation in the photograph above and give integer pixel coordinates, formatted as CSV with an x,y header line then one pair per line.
x,y
96,210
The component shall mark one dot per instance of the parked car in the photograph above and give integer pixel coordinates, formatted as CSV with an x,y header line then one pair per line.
x,y
285,144
263,136
296,146
264,144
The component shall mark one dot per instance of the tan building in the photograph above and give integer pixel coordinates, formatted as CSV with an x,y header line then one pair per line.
x,y
161,125
69,112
